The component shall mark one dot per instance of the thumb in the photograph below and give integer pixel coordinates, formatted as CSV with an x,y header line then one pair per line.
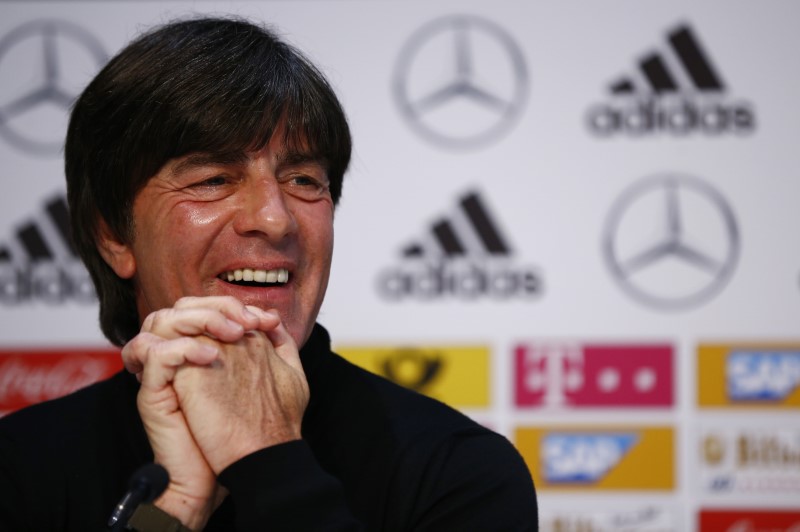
x,y
285,347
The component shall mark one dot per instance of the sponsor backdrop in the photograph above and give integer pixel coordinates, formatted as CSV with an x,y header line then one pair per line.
x,y
576,222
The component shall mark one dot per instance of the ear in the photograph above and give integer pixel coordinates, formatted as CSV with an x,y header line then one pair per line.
x,y
117,254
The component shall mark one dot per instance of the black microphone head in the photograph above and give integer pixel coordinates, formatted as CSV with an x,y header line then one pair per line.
x,y
152,479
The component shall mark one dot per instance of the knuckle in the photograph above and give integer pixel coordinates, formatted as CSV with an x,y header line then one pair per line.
x,y
155,350
158,320
149,350
183,345
147,324
231,302
134,345
138,344
186,301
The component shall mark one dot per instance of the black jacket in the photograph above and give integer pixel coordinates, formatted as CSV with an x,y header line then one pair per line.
x,y
374,456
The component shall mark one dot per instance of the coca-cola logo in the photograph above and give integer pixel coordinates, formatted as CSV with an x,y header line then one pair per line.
x,y
750,520
30,377
747,525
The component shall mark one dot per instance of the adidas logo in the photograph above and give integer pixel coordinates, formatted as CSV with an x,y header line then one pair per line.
x,y
675,90
464,256
39,264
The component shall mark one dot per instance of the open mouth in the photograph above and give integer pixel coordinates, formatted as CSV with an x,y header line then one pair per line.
x,y
256,278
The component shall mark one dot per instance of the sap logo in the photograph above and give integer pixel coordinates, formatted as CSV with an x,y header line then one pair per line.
x,y
762,375
583,458
568,374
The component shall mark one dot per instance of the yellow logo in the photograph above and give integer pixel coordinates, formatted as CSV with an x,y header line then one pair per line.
x,y
458,376
748,375
592,458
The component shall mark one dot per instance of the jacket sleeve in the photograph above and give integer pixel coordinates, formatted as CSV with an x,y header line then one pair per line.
x,y
13,510
476,481
284,488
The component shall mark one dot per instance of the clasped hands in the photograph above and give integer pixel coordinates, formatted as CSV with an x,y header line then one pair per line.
x,y
219,380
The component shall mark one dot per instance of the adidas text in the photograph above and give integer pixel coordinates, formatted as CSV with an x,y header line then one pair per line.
x,y
45,282
459,279
676,116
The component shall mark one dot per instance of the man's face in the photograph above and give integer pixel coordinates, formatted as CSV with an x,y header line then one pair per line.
x,y
257,227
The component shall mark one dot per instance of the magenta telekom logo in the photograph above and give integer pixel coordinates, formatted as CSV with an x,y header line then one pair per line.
x,y
581,375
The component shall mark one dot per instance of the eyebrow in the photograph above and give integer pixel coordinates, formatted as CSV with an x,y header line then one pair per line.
x,y
285,158
197,160
293,157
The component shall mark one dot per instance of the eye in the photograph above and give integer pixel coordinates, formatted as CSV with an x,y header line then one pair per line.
x,y
306,181
211,182
211,186
306,187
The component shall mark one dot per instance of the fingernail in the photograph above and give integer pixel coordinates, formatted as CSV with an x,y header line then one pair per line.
x,y
235,326
209,350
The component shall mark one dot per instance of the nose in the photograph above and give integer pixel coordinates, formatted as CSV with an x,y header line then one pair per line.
x,y
263,209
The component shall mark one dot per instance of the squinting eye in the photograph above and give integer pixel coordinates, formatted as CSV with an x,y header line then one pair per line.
x,y
215,181
306,181
306,187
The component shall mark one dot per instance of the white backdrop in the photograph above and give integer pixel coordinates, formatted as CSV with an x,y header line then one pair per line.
x,y
636,260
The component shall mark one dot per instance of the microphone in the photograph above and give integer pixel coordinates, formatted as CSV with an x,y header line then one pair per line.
x,y
146,484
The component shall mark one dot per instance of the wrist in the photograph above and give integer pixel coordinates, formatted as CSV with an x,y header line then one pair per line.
x,y
150,518
191,511
233,452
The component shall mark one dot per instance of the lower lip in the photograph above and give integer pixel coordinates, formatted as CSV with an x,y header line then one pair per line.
x,y
261,296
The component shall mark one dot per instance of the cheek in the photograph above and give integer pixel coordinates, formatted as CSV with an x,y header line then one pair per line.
x,y
178,234
323,239
192,226
317,228
199,216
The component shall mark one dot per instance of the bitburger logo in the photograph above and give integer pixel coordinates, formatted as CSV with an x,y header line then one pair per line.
x,y
464,256
40,264
675,91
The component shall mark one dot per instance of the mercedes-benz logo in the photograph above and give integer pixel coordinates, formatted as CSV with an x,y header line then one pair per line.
x,y
460,81
671,241
43,66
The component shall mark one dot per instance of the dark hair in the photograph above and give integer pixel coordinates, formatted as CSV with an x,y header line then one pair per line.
x,y
201,85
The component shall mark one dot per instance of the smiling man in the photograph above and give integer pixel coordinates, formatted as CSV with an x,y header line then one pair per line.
x,y
204,164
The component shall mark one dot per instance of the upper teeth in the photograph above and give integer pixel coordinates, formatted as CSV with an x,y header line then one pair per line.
x,y
280,275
